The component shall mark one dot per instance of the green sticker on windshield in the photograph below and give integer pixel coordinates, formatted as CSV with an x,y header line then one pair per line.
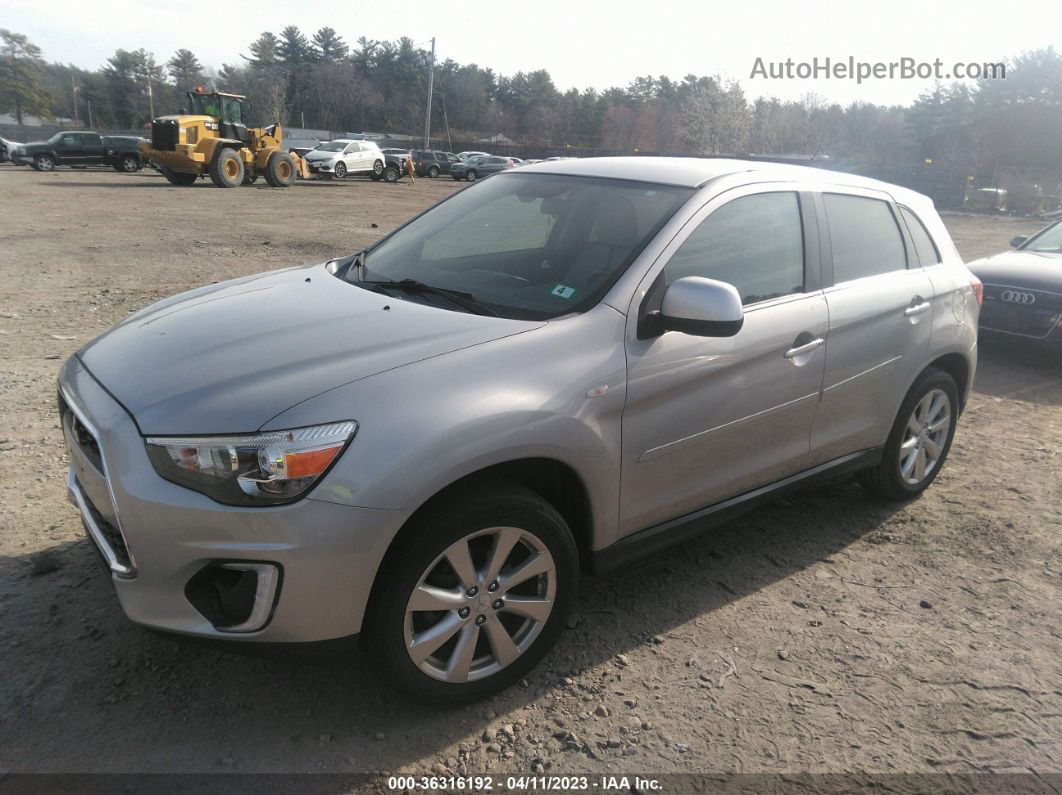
x,y
563,291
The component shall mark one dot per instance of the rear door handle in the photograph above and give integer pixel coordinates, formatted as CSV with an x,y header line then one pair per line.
x,y
916,309
800,350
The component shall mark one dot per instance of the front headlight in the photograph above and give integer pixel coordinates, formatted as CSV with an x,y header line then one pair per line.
x,y
268,468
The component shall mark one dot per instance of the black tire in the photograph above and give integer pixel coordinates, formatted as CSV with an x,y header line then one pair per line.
x,y
378,168
392,174
433,172
226,170
178,177
249,178
471,175
340,170
886,480
44,163
280,170
130,164
490,504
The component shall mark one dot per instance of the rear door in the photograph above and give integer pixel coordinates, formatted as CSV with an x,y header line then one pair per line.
x,y
881,307
91,149
708,418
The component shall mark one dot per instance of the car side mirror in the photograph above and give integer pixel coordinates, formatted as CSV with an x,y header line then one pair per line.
x,y
1017,240
702,307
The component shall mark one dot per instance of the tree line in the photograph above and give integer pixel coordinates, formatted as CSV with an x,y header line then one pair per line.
x,y
321,81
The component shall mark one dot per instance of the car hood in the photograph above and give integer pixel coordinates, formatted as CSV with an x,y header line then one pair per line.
x,y
1036,271
229,357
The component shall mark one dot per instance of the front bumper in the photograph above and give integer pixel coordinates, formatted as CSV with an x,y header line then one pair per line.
x,y
326,555
327,166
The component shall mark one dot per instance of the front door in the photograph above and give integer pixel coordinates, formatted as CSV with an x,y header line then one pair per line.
x,y
710,418
68,150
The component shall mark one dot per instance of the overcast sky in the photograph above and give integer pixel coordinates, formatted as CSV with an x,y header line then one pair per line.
x,y
599,44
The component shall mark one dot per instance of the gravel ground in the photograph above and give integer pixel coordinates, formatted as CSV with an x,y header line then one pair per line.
x,y
825,633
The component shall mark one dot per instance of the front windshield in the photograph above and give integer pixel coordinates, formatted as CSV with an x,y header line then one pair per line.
x,y
531,246
332,146
1047,242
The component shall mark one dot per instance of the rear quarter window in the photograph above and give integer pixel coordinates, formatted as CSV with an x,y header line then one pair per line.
x,y
925,248
864,237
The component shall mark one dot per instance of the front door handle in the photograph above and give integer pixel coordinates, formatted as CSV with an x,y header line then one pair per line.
x,y
800,350
916,309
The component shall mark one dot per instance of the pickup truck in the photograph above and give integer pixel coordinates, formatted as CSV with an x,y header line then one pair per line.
x,y
76,148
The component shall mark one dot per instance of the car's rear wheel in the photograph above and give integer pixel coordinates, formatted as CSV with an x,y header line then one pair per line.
x,y
920,439
474,595
433,171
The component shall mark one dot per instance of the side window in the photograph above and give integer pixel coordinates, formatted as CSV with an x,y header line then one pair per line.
x,y
69,141
864,237
89,141
351,148
755,243
924,246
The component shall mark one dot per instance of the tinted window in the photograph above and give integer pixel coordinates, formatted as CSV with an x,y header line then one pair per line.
x,y
924,246
755,243
864,237
68,140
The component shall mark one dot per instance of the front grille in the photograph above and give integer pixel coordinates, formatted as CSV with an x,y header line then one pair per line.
x,y
111,534
164,134
1030,319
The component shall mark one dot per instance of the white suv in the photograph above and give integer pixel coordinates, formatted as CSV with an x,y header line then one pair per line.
x,y
342,156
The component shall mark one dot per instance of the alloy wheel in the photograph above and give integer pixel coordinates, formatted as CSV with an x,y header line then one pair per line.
x,y
925,436
480,604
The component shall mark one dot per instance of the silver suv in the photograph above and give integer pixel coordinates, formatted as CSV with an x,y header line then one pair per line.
x,y
558,369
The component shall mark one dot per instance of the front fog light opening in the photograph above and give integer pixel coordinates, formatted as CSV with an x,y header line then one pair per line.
x,y
235,596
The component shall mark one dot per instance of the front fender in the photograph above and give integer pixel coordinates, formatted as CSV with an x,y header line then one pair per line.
x,y
555,392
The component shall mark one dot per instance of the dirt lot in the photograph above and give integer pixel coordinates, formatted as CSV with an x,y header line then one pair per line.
x,y
825,633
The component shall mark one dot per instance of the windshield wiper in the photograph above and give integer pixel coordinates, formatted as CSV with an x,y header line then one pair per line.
x,y
466,301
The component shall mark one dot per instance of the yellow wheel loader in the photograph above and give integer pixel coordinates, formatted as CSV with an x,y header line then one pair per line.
x,y
212,140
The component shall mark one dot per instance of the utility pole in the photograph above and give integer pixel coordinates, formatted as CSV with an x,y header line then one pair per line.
x,y
431,81
151,100
91,125
76,89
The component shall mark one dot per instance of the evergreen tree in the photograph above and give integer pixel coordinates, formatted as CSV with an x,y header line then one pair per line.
x,y
22,78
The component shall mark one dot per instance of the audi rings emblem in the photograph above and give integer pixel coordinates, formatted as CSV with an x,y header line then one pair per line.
x,y
1016,297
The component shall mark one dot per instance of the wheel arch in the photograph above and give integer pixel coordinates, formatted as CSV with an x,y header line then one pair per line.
x,y
958,367
553,480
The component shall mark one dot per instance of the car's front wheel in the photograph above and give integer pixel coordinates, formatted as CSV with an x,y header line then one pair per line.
x,y
44,162
920,438
471,176
341,170
474,595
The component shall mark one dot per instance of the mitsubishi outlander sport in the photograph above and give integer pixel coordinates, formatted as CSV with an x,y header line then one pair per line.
x,y
556,370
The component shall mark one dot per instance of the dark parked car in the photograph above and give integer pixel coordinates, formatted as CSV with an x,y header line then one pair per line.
x,y
431,163
477,167
1023,287
79,148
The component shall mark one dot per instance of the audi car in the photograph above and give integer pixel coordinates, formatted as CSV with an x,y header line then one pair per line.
x,y
1023,287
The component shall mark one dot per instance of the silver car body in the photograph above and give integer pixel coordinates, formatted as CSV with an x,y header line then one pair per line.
x,y
653,429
